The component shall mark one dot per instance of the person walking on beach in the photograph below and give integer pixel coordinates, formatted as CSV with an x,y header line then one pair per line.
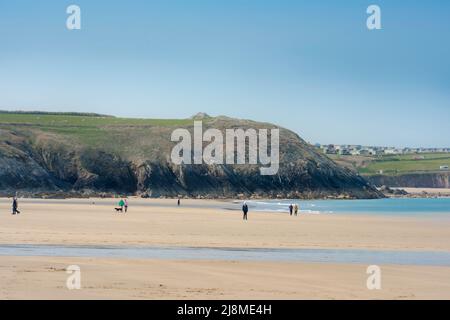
x,y
245,210
291,207
295,209
121,204
178,202
126,205
15,206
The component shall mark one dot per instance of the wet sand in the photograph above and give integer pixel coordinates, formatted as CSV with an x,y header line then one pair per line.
x,y
45,278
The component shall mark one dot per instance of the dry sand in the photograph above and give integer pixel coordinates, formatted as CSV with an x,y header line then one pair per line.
x,y
444,192
78,223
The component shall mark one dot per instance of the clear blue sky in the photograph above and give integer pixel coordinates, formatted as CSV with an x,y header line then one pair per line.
x,y
310,66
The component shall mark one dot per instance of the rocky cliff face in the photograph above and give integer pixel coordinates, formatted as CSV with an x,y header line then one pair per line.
x,y
413,180
33,160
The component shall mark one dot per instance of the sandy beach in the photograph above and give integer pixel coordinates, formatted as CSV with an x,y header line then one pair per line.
x,y
82,223
45,278
202,223
441,192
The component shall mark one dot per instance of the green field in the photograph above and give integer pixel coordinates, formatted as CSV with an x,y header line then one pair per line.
x,y
394,164
120,135
69,120
400,164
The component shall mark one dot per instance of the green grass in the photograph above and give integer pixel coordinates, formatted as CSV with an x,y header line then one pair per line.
x,y
400,164
118,135
46,120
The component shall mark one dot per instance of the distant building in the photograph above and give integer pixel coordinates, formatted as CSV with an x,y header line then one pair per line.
x,y
352,149
331,149
364,152
390,151
345,152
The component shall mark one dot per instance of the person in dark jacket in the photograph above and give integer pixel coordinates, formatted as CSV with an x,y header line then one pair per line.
x,y
15,206
245,210
291,207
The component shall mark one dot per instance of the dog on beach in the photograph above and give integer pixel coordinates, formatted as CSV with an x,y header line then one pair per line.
x,y
119,209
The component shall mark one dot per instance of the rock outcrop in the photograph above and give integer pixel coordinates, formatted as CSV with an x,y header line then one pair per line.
x,y
136,160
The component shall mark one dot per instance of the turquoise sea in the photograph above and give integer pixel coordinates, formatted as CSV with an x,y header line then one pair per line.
x,y
389,206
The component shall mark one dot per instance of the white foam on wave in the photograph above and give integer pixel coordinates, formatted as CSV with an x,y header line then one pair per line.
x,y
265,206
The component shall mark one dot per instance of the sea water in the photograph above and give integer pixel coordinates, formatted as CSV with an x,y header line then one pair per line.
x,y
388,206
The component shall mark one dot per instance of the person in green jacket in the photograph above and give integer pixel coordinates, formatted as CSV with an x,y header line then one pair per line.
x,y
121,204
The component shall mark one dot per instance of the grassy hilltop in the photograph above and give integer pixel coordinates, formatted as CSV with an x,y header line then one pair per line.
x,y
118,135
408,170
90,153
407,163
395,164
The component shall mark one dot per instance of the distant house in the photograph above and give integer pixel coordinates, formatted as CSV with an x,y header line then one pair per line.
x,y
364,152
443,168
411,150
390,151
353,149
331,149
